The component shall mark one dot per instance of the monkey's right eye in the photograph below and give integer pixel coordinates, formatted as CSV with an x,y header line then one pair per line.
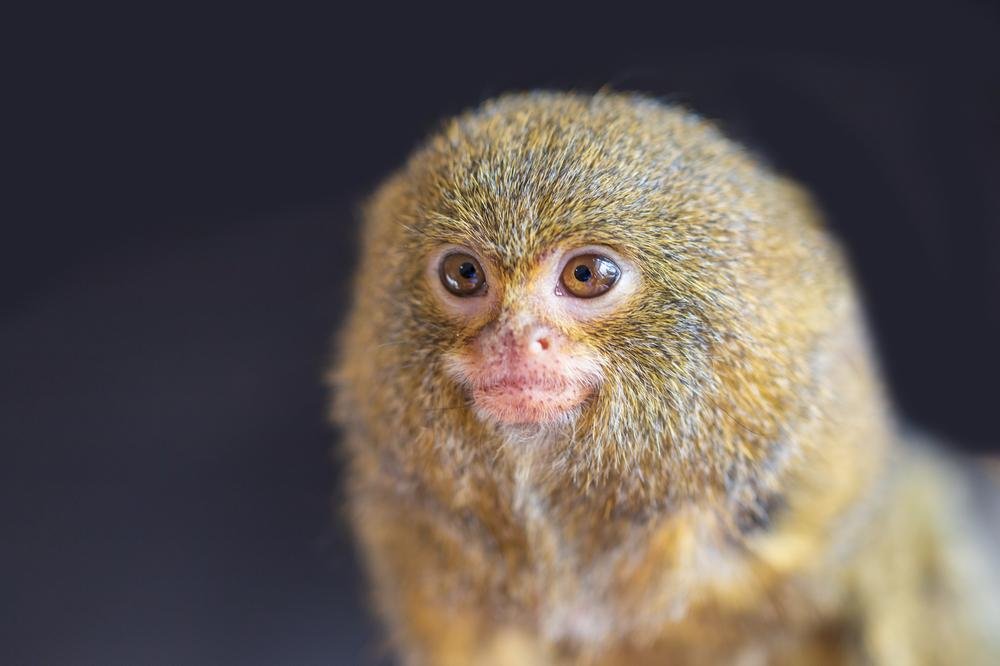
x,y
462,275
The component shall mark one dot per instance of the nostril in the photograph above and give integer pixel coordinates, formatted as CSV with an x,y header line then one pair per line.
x,y
529,339
540,344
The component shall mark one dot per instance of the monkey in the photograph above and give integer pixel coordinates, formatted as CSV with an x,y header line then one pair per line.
x,y
608,396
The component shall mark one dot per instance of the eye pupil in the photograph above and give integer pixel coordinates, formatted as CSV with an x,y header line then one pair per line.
x,y
467,270
581,273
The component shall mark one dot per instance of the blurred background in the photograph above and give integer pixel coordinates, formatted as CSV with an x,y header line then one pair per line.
x,y
181,239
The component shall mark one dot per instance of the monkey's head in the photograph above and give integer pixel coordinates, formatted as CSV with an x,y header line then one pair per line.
x,y
606,269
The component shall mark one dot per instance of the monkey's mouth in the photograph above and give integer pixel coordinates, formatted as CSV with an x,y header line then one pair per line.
x,y
524,400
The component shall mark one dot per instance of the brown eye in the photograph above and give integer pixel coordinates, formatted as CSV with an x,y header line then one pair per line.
x,y
462,275
589,275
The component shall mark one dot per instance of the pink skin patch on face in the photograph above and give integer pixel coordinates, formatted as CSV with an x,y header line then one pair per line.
x,y
525,374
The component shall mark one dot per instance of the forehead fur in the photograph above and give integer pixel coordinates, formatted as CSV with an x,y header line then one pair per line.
x,y
525,172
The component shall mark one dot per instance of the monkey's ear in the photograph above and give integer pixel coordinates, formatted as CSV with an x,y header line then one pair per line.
x,y
806,208
382,208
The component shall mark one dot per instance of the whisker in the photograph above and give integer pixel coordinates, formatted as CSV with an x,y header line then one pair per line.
x,y
735,420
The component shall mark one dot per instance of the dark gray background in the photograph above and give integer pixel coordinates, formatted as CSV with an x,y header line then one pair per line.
x,y
182,236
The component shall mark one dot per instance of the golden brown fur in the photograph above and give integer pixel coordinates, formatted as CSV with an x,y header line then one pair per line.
x,y
735,492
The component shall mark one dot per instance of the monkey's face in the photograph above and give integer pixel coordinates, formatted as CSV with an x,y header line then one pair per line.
x,y
604,267
525,357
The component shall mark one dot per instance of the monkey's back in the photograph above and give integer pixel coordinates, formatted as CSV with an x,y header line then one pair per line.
x,y
925,583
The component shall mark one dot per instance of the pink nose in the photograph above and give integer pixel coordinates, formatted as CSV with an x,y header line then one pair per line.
x,y
521,340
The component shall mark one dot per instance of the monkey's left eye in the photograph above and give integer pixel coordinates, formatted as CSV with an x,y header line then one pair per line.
x,y
589,275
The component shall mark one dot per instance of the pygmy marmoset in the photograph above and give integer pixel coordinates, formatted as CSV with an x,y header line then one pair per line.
x,y
608,398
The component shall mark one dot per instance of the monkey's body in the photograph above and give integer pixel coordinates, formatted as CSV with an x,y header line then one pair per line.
x,y
733,489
